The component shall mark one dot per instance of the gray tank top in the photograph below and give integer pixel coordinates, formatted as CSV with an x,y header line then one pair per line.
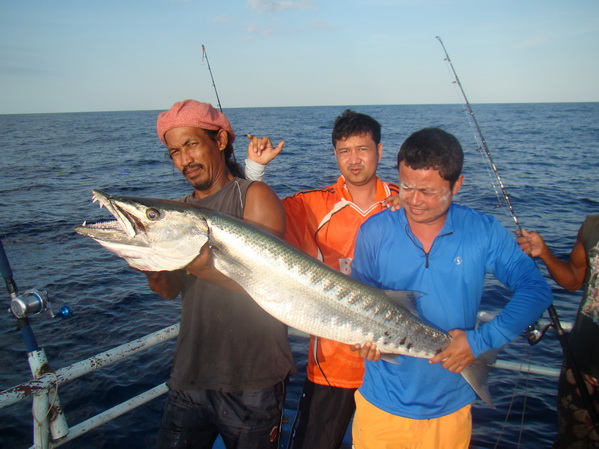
x,y
226,341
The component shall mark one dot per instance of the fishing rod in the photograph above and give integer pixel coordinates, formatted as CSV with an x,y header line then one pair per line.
x,y
205,56
480,139
47,409
580,383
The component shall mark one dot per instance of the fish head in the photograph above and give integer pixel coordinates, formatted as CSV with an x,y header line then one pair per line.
x,y
150,234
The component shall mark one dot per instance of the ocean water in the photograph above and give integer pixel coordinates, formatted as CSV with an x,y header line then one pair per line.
x,y
547,155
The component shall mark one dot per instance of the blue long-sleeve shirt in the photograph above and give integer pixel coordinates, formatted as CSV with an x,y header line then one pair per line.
x,y
451,278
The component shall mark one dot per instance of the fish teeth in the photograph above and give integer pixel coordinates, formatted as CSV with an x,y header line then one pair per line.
x,y
95,199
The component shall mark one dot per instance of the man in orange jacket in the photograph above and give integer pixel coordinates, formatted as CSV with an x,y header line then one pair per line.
x,y
324,223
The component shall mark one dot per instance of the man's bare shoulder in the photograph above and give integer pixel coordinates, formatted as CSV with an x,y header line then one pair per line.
x,y
264,209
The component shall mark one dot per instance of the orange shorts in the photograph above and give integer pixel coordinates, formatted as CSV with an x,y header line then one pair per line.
x,y
375,429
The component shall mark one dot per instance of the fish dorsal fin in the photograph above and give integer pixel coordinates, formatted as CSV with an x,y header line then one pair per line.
x,y
406,299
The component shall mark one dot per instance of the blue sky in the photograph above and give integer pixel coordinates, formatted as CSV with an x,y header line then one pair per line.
x,y
71,56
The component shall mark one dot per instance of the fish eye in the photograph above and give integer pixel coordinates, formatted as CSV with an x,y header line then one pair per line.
x,y
152,214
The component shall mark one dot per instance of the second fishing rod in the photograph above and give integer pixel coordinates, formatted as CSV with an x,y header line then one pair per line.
x,y
555,322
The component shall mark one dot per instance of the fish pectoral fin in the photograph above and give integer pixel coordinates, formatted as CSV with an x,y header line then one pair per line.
x,y
226,264
406,299
477,374
391,358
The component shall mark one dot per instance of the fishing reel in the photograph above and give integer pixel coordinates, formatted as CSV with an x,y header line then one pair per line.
x,y
36,302
535,332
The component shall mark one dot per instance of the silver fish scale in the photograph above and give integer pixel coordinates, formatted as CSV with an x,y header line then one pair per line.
x,y
314,298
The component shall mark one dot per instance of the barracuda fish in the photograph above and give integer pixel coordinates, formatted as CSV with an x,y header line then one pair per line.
x,y
162,235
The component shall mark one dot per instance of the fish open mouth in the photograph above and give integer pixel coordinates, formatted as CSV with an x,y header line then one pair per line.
x,y
151,234
125,226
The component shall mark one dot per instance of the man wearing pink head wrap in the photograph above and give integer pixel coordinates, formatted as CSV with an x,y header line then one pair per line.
x,y
232,359
193,114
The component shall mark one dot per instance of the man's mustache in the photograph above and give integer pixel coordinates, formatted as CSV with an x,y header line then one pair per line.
x,y
192,166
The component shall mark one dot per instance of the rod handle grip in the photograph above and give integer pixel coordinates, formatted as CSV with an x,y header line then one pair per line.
x,y
4,264
6,271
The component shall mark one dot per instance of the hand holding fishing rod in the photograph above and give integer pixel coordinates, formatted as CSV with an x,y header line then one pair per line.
x,y
536,333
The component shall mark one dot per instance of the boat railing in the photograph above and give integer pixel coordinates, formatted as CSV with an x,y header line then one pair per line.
x,y
43,388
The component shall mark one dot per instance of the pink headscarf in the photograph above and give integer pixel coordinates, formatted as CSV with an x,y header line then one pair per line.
x,y
193,113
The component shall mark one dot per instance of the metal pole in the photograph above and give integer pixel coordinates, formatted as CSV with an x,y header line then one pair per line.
x,y
66,374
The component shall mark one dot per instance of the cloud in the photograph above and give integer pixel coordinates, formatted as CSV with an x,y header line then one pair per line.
x,y
222,19
278,6
254,31
318,24
531,42
20,72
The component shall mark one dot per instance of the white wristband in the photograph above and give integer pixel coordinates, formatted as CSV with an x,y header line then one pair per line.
x,y
254,171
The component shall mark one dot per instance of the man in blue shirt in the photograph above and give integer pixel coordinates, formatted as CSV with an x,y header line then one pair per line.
x,y
443,250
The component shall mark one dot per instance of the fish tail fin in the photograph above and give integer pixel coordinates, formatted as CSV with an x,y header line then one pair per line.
x,y
477,373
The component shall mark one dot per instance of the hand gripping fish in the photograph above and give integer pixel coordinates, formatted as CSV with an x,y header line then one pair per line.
x,y
162,235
